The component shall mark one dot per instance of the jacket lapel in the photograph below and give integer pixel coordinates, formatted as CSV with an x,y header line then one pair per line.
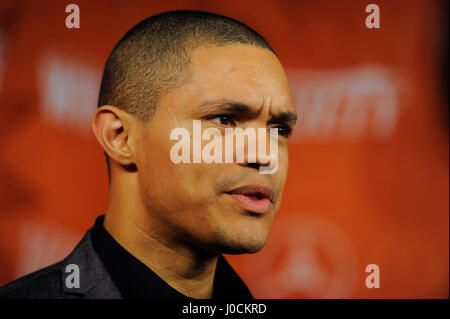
x,y
94,279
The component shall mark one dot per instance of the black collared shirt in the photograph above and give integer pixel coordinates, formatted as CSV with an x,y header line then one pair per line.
x,y
135,280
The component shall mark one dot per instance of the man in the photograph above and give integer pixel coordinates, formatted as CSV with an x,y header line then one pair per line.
x,y
167,224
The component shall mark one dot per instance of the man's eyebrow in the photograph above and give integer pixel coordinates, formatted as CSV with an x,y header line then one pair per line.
x,y
226,105
238,107
284,117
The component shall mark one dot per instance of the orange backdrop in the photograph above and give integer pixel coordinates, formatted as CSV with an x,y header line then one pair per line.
x,y
368,177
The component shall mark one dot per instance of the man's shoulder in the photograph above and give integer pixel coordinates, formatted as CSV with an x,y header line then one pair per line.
x,y
83,269
43,283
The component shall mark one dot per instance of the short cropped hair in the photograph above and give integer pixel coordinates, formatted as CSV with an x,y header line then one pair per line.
x,y
154,57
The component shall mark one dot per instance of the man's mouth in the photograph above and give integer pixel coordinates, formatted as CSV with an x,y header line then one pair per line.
x,y
254,198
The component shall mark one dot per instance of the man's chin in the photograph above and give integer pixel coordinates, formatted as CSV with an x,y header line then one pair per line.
x,y
238,245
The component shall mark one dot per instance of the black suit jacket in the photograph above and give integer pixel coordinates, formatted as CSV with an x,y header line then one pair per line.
x,y
50,282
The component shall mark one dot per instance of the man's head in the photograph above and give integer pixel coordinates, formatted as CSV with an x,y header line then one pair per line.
x,y
167,71
154,57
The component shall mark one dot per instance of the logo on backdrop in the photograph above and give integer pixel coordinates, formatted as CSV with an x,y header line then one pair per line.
x,y
347,104
306,256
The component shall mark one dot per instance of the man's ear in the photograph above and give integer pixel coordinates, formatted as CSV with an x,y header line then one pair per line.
x,y
113,128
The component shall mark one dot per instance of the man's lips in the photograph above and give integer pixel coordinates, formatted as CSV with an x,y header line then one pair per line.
x,y
254,198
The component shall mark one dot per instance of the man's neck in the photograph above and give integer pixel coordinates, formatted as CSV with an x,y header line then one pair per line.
x,y
180,267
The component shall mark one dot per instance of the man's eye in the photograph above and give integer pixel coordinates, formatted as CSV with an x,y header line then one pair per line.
x,y
223,119
284,130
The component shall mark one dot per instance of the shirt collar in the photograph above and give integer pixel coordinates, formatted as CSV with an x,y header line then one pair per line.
x,y
135,280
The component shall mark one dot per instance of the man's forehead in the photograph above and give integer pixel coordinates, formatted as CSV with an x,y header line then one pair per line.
x,y
255,79
236,57
242,73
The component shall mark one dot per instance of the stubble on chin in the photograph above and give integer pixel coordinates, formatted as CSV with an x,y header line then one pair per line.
x,y
228,243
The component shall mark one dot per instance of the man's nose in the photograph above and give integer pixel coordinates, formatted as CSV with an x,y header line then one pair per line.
x,y
256,149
